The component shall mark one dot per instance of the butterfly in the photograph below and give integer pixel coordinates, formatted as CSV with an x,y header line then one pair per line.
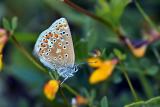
x,y
54,48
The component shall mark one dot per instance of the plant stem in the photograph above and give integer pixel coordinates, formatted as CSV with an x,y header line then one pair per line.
x,y
70,89
51,75
123,69
117,30
23,50
150,22
156,54
81,10
64,97
146,87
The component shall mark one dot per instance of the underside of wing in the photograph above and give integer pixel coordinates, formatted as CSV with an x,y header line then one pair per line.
x,y
54,46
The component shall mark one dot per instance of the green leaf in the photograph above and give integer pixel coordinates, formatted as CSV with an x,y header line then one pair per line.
x,y
119,54
6,24
153,70
14,23
111,11
154,102
117,7
104,102
92,95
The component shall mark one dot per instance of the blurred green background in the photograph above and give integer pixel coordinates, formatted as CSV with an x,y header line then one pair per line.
x,y
21,82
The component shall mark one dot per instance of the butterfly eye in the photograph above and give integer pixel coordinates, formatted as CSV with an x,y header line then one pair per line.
x,y
75,69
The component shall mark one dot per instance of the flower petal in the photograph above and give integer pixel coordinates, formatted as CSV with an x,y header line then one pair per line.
x,y
51,88
1,62
137,51
94,62
81,100
3,40
103,72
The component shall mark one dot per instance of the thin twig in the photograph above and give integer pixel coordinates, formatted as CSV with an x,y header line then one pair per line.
x,y
150,22
156,54
123,69
70,89
64,97
23,50
81,10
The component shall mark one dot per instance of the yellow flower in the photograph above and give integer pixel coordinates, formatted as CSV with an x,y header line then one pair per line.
x,y
3,40
103,72
138,52
51,88
1,63
94,62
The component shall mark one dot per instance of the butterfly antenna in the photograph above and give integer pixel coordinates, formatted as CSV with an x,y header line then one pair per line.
x,y
86,63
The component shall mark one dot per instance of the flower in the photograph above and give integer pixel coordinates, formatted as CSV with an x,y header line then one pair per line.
x,y
94,62
79,100
3,40
103,71
138,48
51,88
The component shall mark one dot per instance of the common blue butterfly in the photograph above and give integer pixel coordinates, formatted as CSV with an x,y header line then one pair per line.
x,y
54,48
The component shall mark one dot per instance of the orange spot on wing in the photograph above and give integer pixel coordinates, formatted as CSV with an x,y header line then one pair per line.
x,y
46,41
55,35
43,45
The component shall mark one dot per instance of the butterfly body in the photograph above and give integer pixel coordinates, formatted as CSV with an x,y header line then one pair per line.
x,y
55,50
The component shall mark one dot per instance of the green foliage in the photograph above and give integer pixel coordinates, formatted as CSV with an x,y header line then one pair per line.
x,y
119,54
104,102
6,24
87,34
14,23
154,102
10,26
90,96
111,11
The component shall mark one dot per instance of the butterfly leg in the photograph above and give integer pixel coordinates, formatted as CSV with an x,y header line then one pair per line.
x,y
64,80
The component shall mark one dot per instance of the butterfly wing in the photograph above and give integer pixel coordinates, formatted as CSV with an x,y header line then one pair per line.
x,y
54,46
